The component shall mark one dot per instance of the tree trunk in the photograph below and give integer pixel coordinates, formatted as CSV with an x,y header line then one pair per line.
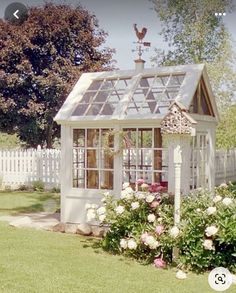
x,y
49,139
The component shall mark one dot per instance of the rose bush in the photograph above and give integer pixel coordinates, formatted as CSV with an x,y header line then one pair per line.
x,y
141,226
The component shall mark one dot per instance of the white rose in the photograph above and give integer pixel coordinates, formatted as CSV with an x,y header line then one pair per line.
x,y
208,244
159,220
88,206
144,186
151,242
91,215
227,201
224,185
125,185
174,232
101,210
119,210
135,205
181,275
106,194
217,198
211,230
211,210
123,194
132,244
198,210
129,189
151,218
102,217
150,198
140,195
123,243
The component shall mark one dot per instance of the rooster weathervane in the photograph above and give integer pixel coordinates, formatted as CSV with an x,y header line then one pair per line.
x,y
140,35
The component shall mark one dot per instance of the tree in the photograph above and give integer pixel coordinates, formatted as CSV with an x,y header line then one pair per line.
x,y
196,35
226,131
40,61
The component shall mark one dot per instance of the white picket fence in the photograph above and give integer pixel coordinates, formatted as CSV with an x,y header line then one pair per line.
x,y
225,166
22,167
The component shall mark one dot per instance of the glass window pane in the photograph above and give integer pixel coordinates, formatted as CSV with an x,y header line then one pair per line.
x,y
107,161
94,109
92,179
92,137
88,97
95,85
78,137
92,159
108,109
145,138
107,140
78,178
106,179
80,110
144,159
129,159
101,97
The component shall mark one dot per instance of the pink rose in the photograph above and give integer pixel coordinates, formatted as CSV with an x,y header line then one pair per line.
x,y
159,263
159,229
153,187
154,204
140,181
144,236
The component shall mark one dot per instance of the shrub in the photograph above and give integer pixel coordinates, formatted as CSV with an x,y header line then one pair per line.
x,y
23,187
55,190
38,185
208,234
141,226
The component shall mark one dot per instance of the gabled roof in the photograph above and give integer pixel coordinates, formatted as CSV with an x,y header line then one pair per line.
x,y
130,94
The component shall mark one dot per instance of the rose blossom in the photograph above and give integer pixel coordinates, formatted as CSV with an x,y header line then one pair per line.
x,y
135,205
119,210
151,242
102,217
211,210
126,194
125,185
132,244
140,195
144,186
140,181
123,243
159,229
159,263
150,198
217,198
91,215
211,230
227,201
208,244
174,232
224,185
151,218
154,204
144,236
101,211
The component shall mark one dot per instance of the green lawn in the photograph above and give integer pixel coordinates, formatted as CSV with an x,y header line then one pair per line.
x,y
25,202
40,261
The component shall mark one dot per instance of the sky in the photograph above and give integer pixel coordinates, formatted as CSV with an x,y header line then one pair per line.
x,y
117,18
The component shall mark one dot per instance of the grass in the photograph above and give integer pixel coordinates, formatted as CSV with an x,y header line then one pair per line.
x,y
15,202
39,261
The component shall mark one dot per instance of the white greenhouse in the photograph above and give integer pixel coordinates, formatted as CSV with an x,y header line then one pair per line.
x,y
157,124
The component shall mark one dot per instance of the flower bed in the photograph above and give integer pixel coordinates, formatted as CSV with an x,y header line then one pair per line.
x,y
141,226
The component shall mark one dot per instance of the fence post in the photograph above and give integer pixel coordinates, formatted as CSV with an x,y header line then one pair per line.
x,y
39,163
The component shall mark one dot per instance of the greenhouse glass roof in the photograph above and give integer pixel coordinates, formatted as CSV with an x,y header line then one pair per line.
x,y
131,94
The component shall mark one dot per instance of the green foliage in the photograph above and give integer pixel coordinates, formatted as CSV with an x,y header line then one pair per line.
x,y
39,63
38,185
196,217
55,190
226,130
205,237
195,35
8,141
